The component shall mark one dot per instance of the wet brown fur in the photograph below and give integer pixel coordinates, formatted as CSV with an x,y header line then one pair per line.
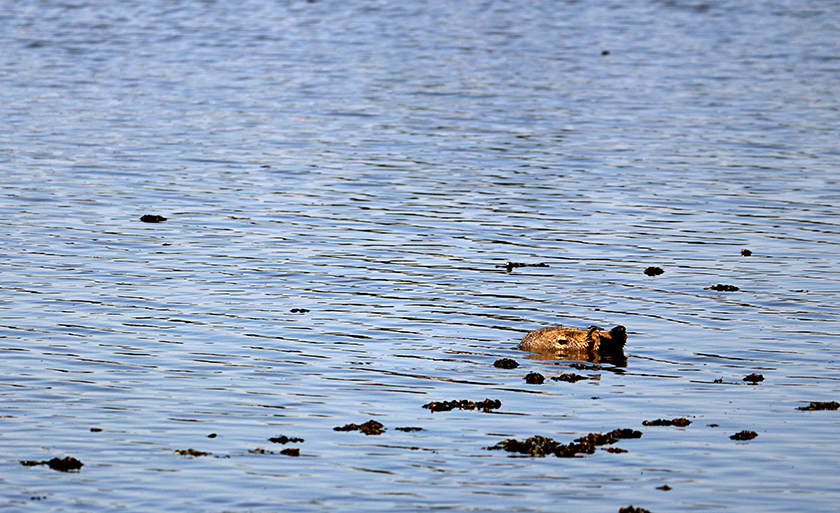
x,y
594,339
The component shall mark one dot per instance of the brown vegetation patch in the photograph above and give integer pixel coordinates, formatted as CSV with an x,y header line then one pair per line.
x,y
569,377
543,446
191,452
283,439
513,265
679,422
723,288
149,218
65,464
506,363
744,435
485,405
632,509
817,405
370,427
534,378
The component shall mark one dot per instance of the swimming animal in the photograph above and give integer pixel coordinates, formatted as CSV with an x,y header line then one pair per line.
x,y
594,339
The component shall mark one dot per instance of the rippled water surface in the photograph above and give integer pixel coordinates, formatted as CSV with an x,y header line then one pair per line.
x,y
374,164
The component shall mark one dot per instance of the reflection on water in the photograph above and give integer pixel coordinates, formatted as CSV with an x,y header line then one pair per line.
x,y
343,185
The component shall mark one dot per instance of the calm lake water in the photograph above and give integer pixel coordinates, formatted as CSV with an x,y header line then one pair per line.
x,y
374,163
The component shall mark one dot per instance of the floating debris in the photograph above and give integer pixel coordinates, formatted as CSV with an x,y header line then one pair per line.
x,y
605,52
663,487
744,435
654,271
65,464
191,452
679,422
95,430
370,427
583,366
299,310
817,405
283,439
149,218
409,429
713,425
512,265
746,252
614,450
506,363
754,378
534,378
543,446
569,377
259,451
485,405
632,509
723,288
212,435
718,380
290,451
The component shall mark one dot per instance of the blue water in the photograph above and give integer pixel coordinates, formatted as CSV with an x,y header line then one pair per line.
x,y
374,163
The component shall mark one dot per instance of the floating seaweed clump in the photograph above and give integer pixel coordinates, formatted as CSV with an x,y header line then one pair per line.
x,y
485,405
409,429
370,427
543,446
191,452
723,288
817,405
290,452
679,422
632,509
506,363
754,378
283,439
534,378
65,464
569,377
614,450
744,435
149,218
512,265
654,271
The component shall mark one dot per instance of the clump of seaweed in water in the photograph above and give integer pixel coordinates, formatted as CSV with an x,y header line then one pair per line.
x,y
65,464
543,446
485,405
632,509
283,439
534,378
506,363
654,271
512,265
754,378
744,435
679,422
150,218
820,405
723,288
370,427
569,377
191,452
